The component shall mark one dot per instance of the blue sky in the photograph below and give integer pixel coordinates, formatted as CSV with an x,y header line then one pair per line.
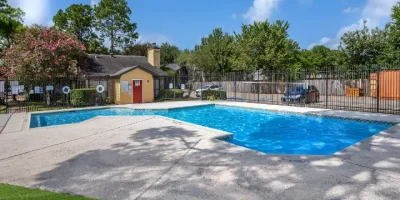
x,y
184,22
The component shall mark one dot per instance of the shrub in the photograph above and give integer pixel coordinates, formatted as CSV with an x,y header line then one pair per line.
x,y
214,95
83,97
171,93
108,100
36,97
211,98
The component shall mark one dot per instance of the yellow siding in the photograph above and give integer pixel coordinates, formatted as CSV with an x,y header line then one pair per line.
x,y
147,86
117,91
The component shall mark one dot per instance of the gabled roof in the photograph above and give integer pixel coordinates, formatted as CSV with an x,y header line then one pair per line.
x,y
173,66
128,69
106,65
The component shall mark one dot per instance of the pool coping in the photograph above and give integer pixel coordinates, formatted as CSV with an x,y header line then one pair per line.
x,y
27,121
221,135
346,115
318,112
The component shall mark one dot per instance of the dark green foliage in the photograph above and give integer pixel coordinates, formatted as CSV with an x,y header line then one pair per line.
x,y
10,23
113,22
83,97
363,47
169,71
78,19
137,49
215,52
265,46
169,53
171,93
213,95
391,53
318,58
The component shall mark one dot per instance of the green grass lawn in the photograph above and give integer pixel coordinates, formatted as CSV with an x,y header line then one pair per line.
x,y
16,193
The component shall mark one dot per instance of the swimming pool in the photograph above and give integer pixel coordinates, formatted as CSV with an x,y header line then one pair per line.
x,y
264,131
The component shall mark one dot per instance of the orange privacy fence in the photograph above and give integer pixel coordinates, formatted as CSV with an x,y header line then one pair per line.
x,y
388,84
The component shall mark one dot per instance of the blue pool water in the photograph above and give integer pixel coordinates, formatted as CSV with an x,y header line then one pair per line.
x,y
264,131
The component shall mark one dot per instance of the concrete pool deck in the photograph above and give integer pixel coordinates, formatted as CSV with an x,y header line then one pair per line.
x,y
148,157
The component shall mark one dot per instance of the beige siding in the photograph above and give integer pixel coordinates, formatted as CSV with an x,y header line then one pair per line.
x,y
117,91
147,86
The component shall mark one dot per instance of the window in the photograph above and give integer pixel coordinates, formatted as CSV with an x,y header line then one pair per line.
x,y
156,88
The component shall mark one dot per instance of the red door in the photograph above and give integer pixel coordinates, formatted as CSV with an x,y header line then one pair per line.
x,y
137,91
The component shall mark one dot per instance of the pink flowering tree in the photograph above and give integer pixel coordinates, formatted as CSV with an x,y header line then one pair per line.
x,y
41,56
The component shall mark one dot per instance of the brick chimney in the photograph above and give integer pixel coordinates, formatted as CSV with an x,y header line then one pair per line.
x,y
153,55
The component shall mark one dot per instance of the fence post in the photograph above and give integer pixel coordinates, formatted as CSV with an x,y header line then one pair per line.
x,y
326,88
220,85
287,84
234,81
173,86
258,86
201,86
6,94
377,88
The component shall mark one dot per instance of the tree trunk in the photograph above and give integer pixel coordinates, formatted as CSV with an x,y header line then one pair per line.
x,y
112,36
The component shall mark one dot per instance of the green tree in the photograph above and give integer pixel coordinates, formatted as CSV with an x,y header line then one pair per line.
x,y
265,46
363,47
169,53
10,23
318,58
391,53
215,51
113,22
3,3
78,19
186,58
137,49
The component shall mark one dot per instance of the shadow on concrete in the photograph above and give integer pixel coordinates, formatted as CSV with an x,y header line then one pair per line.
x,y
171,163
124,169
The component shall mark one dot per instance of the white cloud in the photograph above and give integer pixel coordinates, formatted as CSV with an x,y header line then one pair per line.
x,y
94,2
331,43
378,9
234,16
36,11
374,12
154,37
351,10
261,10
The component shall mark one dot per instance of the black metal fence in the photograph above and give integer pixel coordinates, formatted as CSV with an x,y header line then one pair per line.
x,y
375,89
36,95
